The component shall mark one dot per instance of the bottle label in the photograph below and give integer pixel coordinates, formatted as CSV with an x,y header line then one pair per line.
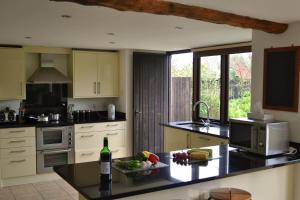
x,y
105,167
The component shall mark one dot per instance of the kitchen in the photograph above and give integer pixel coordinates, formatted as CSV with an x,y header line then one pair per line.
x,y
124,101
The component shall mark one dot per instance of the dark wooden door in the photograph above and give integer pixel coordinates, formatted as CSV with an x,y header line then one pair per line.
x,y
150,100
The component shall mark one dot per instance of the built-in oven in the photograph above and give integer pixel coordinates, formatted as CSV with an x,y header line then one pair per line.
x,y
54,137
54,147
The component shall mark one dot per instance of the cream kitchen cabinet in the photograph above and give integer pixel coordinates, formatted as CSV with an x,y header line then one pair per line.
x,y
201,140
12,73
95,74
17,152
89,140
176,139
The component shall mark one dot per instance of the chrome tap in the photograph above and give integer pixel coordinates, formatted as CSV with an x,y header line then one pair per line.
x,y
207,122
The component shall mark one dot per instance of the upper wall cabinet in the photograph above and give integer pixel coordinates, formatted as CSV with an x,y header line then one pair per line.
x,y
95,74
12,73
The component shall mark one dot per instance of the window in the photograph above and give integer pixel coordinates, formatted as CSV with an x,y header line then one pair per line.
x,y
181,86
223,81
210,77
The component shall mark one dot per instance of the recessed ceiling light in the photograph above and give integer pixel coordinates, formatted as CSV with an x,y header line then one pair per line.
x,y
110,34
112,43
179,27
65,16
27,37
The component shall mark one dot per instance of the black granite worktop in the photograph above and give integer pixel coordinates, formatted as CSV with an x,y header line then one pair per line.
x,y
227,162
216,130
102,117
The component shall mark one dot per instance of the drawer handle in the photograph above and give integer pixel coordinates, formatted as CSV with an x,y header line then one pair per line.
x,y
87,154
20,131
86,136
86,126
17,141
203,138
18,161
109,134
112,124
114,151
18,151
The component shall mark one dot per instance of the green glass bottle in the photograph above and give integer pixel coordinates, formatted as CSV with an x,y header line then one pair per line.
x,y
105,161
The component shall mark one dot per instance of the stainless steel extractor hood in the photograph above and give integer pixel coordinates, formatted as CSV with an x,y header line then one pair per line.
x,y
47,73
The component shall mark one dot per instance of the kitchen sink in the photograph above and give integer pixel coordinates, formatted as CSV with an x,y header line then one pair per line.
x,y
194,124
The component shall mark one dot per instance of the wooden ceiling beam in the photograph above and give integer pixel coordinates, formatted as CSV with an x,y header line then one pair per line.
x,y
160,7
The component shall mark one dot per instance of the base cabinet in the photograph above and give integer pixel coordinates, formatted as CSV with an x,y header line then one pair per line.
x,y
89,140
175,139
17,152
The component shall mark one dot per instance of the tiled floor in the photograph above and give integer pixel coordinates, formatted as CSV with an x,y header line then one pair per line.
x,y
51,190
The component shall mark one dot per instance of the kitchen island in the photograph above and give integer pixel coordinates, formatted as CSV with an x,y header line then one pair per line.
x,y
259,175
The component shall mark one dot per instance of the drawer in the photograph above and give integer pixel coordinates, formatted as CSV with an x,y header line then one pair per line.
x,y
200,140
87,155
17,152
116,138
17,142
17,132
113,126
19,166
85,128
119,152
88,140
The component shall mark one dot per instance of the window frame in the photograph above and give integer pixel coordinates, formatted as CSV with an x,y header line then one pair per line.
x,y
224,53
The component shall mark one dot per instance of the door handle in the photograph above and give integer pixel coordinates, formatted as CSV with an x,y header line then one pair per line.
x,y
99,89
87,136
53,152
137,112
95,86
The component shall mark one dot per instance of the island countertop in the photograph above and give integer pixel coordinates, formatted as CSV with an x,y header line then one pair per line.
x,y
226,162
215,130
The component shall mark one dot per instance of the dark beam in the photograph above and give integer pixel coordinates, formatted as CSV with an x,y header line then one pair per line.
x,y
188,11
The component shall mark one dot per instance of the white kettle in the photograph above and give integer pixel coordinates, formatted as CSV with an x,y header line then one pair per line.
x,y
111,112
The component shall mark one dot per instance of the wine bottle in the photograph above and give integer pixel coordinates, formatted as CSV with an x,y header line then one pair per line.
x,y
105,159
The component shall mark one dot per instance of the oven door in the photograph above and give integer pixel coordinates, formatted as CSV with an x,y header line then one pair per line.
x,y
47,159
242,135
52,138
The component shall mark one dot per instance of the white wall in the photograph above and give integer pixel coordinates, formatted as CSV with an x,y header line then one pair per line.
x,y
261,41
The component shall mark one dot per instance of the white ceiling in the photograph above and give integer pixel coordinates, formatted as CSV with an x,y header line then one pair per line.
x,y
88,27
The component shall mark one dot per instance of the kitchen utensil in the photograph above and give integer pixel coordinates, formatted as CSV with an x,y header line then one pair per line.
x,y
54,116
40,118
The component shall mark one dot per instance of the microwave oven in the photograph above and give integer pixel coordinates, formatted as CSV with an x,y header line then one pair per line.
x,y
266,138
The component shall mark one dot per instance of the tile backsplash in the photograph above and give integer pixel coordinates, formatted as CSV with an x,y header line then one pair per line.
x,y
12,104
79,104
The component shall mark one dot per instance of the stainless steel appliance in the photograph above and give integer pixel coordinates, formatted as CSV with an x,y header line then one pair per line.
x,y
8,115
55,146
261,137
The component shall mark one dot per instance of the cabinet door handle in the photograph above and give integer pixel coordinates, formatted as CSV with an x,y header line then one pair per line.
x,y
18,161
87,136
21,87
114,151
19,131
86,126
99,89
203,138
18,151
87,154
17,141
95,87
108,134
112,125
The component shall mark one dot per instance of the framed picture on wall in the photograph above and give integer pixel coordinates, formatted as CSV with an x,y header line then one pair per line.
x,y
281,79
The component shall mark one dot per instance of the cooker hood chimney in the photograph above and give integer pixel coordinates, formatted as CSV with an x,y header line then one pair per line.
x,y
47,73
